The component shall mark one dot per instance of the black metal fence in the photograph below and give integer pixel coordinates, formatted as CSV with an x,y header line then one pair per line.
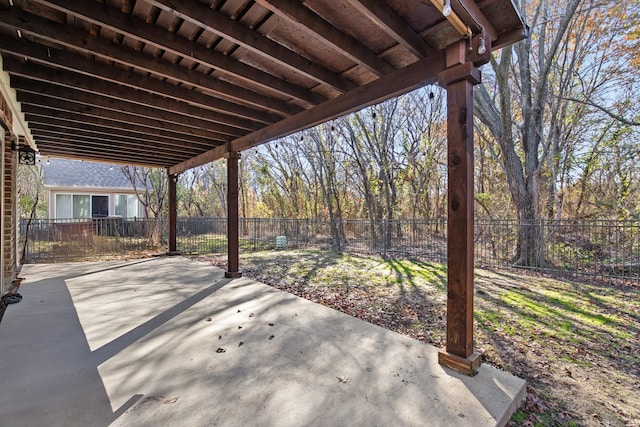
x,y
61,240
598,248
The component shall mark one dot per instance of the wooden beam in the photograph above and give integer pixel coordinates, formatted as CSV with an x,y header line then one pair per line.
x,y
51,78
379,12
121,135
80,41
418,74
36,114
36,103
77,64
296,13
78,152
208,18
113,19
469,12
459,81
233,241
108,145
510,37
22,85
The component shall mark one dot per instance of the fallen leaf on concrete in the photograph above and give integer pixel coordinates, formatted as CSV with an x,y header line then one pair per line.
x,y
271,337
172,400
208,319
240,343
220,350
219,337
270,324
344,379
251,315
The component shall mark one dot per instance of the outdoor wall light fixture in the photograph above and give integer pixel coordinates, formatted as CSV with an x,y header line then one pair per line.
x,y
26,154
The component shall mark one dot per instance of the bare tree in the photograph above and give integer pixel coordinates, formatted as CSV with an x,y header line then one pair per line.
x,y
520,105
150,185
322,148
30,188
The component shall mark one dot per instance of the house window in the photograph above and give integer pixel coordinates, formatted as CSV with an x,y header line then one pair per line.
x,y
73,206
127,206
99,206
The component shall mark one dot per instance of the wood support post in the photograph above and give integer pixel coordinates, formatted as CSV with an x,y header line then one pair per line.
x,y
173,213
459,80
233,243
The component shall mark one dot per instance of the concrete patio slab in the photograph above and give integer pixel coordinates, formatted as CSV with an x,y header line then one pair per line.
x,y
171,342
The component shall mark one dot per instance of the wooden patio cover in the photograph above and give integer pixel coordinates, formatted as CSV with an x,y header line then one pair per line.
x,y
180,83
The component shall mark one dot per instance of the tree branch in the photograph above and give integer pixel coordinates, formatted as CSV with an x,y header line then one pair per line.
x,y
608,112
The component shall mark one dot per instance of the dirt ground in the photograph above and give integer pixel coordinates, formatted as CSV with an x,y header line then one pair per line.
x,y
577,343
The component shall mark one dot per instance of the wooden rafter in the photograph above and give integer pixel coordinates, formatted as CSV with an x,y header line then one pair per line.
x,y
56,35
380,13
37,114
175,98
89,113
120,102
351,48
108,17
201,15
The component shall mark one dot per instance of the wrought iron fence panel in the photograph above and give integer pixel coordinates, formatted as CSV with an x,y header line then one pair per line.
x,y
574,247
58,240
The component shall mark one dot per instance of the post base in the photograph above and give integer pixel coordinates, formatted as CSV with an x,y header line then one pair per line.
x,y
232,274
465,365
173,253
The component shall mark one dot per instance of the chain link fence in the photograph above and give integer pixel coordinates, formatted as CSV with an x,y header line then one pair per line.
x,y
597,248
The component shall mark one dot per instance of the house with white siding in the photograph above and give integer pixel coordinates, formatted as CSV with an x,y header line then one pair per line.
x,y
82,190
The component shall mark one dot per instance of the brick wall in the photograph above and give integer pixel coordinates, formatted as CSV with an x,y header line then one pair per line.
x,y
9,211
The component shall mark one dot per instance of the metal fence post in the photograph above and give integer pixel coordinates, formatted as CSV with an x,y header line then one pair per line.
x,y
542,240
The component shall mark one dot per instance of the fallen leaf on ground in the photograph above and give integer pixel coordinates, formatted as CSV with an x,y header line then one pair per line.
x,y
220,350
344,379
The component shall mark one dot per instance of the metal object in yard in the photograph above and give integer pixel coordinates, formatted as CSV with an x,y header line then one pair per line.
x,y
281,242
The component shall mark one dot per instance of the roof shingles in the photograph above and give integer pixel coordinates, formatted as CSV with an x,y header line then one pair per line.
x,y
62,173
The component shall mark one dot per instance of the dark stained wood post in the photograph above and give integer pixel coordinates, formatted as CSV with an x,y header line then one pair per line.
x,y
233,249
173,213
459,79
